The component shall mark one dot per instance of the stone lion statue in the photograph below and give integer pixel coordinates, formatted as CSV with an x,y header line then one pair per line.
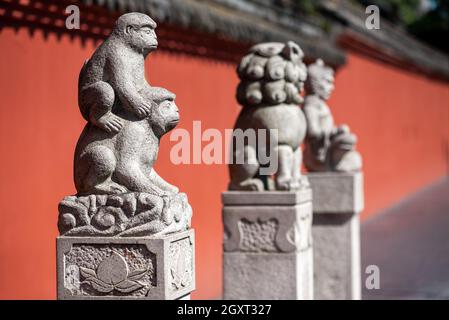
x,y
272,77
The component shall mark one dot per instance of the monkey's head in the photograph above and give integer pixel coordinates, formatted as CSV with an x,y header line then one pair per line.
x,y
138,31
164,113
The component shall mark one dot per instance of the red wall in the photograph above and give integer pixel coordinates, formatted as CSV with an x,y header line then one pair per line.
x,y
401,120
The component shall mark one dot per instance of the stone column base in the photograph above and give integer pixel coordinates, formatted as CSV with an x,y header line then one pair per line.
x,y
137,268
338,200
267,245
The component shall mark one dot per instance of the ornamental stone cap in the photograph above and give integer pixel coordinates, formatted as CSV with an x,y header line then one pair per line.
x,y
266,198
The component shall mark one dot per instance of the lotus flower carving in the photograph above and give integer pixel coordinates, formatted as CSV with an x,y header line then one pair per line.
x,y
113,274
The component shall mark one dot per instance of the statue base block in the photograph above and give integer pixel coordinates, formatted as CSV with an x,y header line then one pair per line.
x,y
267,241
338,200
136,268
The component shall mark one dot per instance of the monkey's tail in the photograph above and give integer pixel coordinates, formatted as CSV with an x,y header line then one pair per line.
x,y
81,105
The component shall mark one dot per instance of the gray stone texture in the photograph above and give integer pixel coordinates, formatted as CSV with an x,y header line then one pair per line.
x,y
125,234
273,276
272,77
242,198
327,147
118,191
337,192
267,243
123,215
338,200
141,268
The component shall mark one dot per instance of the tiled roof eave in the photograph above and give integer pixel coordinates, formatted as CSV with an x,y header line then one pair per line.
x,y
215,18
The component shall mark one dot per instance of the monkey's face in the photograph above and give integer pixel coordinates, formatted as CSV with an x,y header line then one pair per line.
x,y
143,38
165,117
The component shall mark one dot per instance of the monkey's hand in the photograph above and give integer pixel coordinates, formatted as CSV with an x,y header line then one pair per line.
x,y
143,110
109,122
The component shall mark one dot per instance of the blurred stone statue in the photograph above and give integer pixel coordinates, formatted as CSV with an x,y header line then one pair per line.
x,y
327,147
272,77
119,192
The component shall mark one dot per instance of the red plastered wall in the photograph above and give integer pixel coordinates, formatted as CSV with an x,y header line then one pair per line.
x,y
401,120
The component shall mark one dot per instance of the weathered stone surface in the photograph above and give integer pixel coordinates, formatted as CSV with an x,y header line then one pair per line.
x,y
279,198
266,244
272,77
267,228
126,268
127,117
268,276
123,235
114,73
337,192
338,200
124,215
119,192
327,147
336,250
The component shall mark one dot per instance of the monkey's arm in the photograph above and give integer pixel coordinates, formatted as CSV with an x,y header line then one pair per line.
x,y
122,80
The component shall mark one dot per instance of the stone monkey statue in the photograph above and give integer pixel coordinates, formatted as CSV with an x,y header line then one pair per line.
x,y
126,227
115,179
272,77
327,147
114,78
118,191
114,164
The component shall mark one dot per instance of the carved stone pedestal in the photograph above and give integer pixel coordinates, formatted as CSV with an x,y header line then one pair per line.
x,y
140,268
337,202
267,245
